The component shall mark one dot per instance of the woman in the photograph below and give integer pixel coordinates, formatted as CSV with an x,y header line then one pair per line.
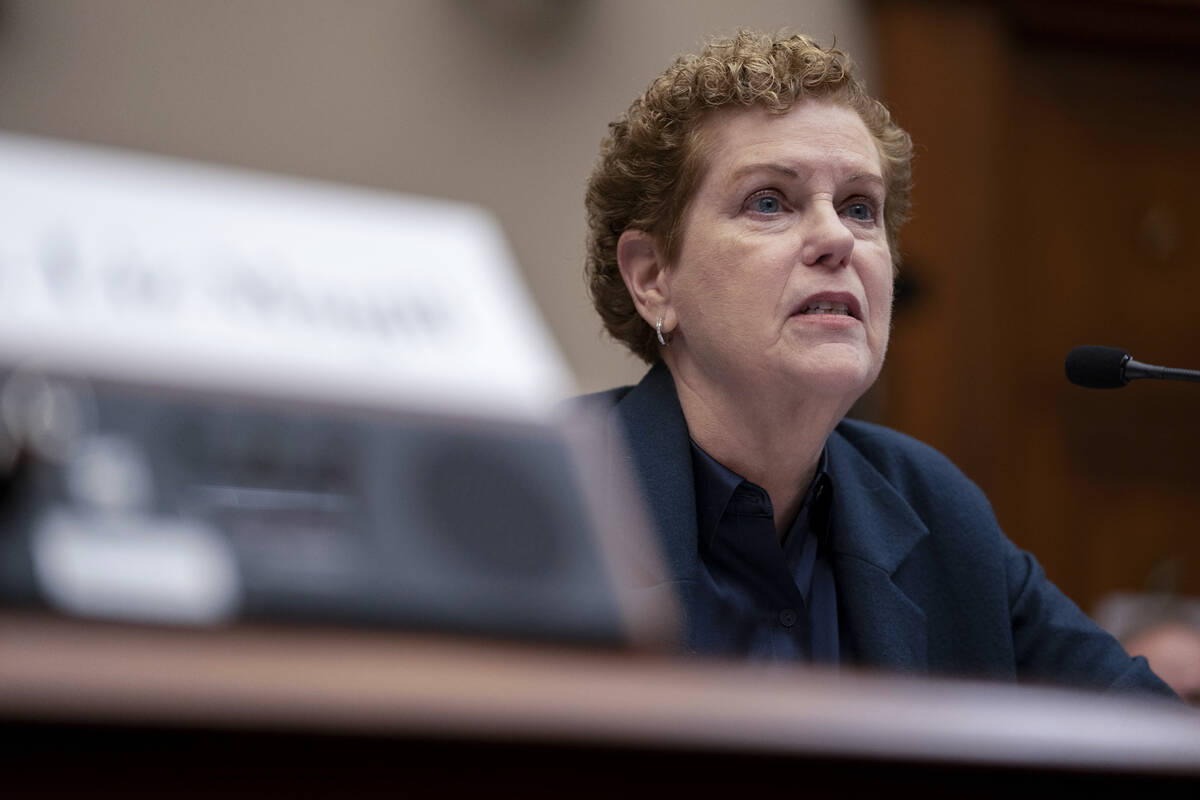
x,y
743,235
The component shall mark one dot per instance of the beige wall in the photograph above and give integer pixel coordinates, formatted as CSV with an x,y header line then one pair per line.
x,y
501,103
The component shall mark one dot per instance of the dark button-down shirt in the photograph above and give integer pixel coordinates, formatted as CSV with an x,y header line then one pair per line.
x,y
768,599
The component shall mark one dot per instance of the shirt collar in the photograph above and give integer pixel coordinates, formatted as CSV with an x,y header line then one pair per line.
x,y
716,484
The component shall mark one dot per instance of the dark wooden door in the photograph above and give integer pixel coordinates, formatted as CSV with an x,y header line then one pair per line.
x,y
1057,203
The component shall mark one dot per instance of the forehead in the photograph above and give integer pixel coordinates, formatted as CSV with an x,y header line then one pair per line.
x,y
815,136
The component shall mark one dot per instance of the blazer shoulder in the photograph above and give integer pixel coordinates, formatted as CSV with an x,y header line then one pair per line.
x,y
594,403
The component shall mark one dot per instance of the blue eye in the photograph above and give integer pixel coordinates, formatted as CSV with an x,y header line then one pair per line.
x,y
766,204
860,211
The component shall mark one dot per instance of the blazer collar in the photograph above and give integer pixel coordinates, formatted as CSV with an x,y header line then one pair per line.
x,y
659,446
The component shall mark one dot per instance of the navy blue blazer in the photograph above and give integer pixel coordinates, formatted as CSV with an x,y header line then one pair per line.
x,y
926,580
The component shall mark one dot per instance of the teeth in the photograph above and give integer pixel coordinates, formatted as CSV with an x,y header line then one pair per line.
x,y
825,307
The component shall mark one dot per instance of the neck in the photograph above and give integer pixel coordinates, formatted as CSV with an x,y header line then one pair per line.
x,y
774,439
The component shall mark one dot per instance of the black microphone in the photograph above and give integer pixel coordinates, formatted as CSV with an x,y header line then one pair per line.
x,y
1096,367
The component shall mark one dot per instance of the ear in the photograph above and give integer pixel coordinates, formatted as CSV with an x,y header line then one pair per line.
x,y
645,273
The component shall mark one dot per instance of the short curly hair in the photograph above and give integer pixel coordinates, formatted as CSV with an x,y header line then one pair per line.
x,y
651,162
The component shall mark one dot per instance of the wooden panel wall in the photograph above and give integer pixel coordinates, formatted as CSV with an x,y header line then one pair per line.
x,y
1057,203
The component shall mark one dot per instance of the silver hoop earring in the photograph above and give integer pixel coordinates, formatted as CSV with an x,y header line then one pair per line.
x,y
658,331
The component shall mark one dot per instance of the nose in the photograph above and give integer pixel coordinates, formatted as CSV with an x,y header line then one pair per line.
x,y
827,240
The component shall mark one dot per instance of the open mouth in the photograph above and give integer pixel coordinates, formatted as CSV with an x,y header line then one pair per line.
x,y
826,307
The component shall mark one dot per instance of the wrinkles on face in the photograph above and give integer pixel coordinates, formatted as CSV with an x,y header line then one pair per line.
x,y
745,263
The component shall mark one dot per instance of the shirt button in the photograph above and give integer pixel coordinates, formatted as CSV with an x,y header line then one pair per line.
x,y
787,617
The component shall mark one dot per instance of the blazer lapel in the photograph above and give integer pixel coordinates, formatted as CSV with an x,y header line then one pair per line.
x,y
873,531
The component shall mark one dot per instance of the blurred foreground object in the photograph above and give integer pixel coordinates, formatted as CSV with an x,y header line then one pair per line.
x,y
143,711
229,395
155,270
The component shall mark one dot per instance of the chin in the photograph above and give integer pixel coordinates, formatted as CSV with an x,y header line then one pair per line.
x,y
847,380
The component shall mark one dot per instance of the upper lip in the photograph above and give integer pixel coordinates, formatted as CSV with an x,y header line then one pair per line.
x,y
850,301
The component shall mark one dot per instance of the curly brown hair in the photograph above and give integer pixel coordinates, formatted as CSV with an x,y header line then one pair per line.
x,y
652,161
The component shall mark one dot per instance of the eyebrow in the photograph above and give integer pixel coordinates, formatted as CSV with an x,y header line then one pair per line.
x,y
765,167
771,166
869,177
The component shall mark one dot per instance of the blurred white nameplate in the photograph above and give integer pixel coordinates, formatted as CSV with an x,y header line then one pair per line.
x,y
135,267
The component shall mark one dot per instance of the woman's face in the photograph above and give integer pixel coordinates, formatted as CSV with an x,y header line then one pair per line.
x,y
784,277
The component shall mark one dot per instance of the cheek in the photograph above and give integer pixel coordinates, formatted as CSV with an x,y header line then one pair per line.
x,y
878,283
713,276
884,310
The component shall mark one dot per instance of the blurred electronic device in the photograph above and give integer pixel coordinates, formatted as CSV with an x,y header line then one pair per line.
x,y
226,396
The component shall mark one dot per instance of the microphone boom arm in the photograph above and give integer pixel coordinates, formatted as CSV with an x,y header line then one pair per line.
x,y
1132,370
